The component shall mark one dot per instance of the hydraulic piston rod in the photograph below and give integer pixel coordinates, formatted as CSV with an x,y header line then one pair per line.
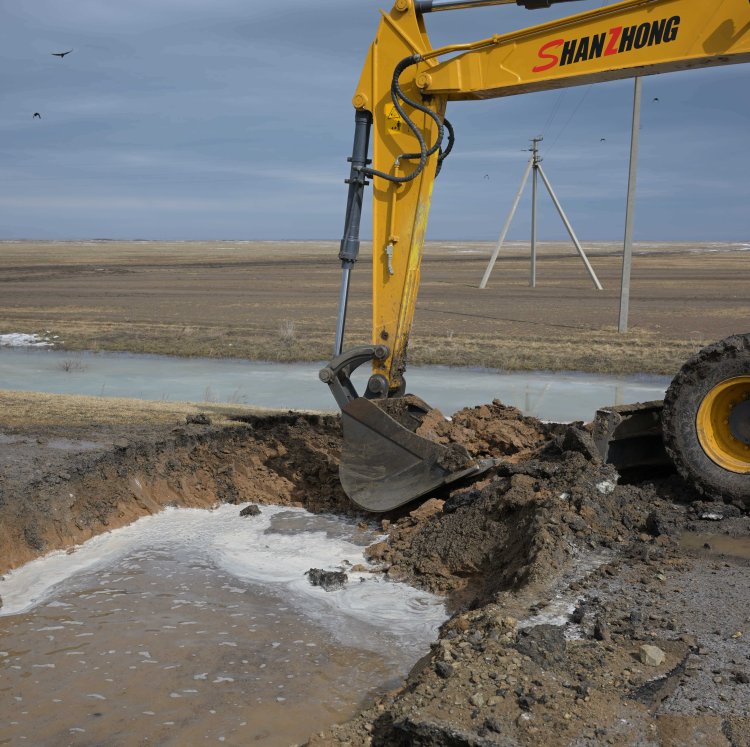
x,y
350,242
432,6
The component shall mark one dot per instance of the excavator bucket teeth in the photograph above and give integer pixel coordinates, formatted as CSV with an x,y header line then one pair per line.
x,y
384,465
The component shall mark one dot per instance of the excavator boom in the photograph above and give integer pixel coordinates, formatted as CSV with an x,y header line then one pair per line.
x,y
400,104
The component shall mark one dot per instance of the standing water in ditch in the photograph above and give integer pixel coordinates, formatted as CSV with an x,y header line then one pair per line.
x,y
555,396
194,626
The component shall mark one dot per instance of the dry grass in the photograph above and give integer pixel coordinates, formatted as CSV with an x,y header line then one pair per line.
x,y
600,351
604,352
20,409
71,365
277,302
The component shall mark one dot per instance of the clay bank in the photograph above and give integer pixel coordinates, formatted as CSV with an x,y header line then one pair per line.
x,y
575,615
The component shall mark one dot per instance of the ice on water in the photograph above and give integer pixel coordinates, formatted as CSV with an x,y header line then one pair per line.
x,y
272,551
196,618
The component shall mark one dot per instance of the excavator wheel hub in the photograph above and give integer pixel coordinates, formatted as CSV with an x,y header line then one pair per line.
x,y
723,424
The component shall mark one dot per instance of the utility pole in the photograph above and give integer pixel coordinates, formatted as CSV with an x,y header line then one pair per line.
x,y
535,165
627,251
535,177
507,223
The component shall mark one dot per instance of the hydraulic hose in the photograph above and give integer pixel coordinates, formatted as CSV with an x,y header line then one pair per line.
x,y
398,96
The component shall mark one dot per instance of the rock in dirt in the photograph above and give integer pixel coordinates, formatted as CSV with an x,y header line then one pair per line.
x,y
455,458
714,511
198,419
577,439
444,669
328,580
654,691
251,510
601,630
651,656
543,644
429,508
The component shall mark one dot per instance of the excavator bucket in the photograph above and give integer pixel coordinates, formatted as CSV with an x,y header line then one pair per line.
x,y
630,438
384,465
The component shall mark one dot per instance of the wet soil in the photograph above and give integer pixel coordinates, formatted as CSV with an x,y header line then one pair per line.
x,y
579,618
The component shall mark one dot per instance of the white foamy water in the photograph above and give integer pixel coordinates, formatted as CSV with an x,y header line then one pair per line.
x,y
274,550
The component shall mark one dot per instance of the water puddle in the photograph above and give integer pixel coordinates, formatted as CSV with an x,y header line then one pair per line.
x,y
549,396
717,544
194,626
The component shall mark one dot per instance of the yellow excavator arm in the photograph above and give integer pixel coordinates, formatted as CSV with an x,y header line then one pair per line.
x,y
400,104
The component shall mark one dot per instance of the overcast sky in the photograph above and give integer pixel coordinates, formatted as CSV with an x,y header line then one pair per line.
x,y
232,119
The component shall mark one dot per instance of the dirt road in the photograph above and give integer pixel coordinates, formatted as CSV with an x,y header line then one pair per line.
x,y
586,612
277,301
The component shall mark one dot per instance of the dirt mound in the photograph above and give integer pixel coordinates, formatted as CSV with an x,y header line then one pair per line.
x,y
488,430
549,502
550,535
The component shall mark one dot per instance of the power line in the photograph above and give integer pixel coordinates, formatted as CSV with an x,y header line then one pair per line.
x,y
558,102
555,109
570,118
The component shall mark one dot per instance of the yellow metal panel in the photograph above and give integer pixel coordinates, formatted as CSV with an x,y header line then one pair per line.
x,y
636,37
399,211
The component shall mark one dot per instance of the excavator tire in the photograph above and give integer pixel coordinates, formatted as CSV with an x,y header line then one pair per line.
x,y
706,420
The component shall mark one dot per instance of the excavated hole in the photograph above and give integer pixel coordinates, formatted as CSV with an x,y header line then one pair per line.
x,y
518,533
201,624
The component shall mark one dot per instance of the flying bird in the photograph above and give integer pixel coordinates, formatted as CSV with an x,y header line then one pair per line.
x,y
603,140
37,115
656,99
486,176
60,54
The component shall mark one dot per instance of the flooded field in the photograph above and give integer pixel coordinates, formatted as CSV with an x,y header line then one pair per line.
x,y
195,626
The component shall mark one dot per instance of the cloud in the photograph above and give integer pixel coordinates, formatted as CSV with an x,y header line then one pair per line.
x,y
232,108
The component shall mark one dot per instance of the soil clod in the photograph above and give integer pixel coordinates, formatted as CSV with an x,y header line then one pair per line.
x,y
328,580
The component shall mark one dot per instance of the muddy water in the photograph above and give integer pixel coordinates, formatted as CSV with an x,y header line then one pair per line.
x,y
197,626
717,544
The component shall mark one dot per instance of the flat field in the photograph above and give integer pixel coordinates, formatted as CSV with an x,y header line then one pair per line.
x,y
277,301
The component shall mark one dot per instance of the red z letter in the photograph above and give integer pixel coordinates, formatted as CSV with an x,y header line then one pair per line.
x,y
612,46
553,58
